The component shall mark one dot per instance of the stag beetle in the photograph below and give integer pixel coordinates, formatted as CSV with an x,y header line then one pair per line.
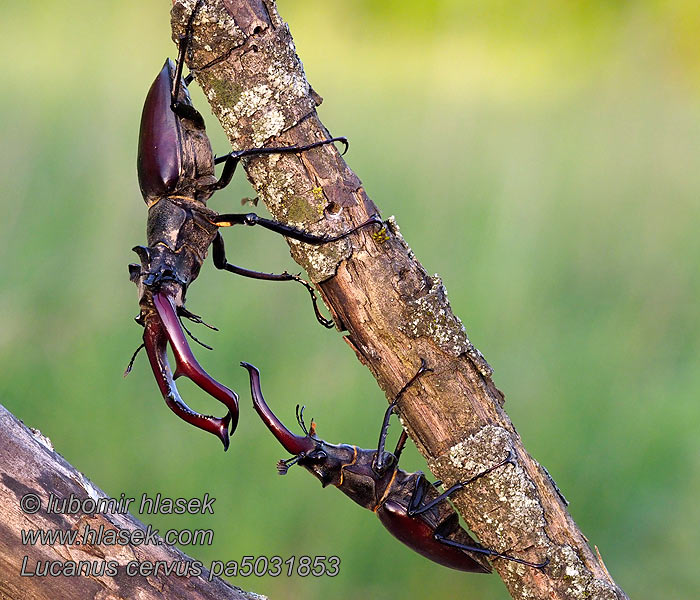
x,y
176,178
408,505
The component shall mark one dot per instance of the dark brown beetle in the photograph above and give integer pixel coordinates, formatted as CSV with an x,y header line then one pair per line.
x,y
176,177
408,505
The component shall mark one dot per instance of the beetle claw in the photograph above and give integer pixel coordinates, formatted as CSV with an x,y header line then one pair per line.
x,y
294,444
163,328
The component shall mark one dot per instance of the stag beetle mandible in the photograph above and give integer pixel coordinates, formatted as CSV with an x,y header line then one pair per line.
x,y
176,177
408,505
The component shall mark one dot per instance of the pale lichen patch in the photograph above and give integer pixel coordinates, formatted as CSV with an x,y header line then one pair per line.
x,y
475,453
213,27
268,125
395,229
255,596
511,491
288,81
431,315
601,590
322,264
393,226
568,564
276,186
252,100
568,569
295,204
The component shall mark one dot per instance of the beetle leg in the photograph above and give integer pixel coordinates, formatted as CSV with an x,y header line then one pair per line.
x,y
220,262
167,327
229,220
415,507
450,525
382,459
183,42
414,504
155,341
400,445
381,456
183,312
192,336
232,159
133,358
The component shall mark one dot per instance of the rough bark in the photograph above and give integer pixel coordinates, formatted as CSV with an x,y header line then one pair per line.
x,y
29,465
394,312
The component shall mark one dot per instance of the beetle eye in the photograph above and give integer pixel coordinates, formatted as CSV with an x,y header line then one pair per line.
x,y
318,455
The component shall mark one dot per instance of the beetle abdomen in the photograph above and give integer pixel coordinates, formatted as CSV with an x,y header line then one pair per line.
x,y
418,535
159,162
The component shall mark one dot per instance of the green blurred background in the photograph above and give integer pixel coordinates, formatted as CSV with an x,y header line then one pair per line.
x,y
544,158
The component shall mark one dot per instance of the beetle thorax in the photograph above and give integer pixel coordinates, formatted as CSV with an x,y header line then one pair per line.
x,y
361,482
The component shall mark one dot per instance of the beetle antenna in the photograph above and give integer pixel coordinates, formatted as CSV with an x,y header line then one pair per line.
x,y
300,419
133,358
188,332
283,465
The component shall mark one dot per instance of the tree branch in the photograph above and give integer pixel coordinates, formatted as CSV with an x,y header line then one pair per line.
x,y
29,465
394,312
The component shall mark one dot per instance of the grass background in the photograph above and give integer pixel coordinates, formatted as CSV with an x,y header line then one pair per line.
x,y
544,159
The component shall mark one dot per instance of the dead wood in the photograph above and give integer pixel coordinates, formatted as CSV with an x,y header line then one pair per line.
x,y
393,312
30,465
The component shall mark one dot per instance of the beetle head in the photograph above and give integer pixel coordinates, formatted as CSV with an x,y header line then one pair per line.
x,y
324,461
